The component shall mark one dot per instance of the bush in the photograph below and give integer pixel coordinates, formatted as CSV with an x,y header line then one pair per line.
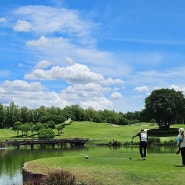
x,y
59,177
46,134
115,143
158,132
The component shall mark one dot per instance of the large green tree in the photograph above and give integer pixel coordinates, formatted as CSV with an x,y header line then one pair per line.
x,y
166,106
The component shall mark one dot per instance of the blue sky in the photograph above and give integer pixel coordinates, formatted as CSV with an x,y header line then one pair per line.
x,y
102,54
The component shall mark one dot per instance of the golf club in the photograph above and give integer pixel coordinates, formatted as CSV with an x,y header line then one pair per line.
x,y
131,146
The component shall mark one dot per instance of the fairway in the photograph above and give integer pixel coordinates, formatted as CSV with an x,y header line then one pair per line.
x,y
109,166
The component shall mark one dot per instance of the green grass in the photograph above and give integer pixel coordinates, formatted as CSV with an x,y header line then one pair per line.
x,y
96,132
113,167
102,132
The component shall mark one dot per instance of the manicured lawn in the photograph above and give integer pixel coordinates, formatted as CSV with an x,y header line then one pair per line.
x,y
113,167
96,132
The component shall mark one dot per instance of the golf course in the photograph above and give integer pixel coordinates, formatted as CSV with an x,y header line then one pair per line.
x,y
104,165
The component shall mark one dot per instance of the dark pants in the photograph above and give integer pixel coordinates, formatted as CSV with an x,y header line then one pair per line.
x,y
142,148
183,155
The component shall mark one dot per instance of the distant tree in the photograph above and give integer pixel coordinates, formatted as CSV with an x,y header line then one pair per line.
x,y
17,127
60,127
25,128
1,116
51,124
46,134
24,114
38,126
165,106
11,115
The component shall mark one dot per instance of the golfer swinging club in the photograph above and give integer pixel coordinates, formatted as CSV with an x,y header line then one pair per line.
x,y
143,143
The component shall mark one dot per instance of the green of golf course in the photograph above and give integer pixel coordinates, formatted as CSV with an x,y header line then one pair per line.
x,y
105,166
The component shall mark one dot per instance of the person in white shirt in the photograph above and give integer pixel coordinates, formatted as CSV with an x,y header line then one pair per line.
x,y
143,143
181,145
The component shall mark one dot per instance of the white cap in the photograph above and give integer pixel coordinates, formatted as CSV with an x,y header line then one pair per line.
x,y
181,130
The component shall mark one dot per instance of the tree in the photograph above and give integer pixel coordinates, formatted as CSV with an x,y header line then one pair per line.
x,y
1,116
60,127
17,127
38,126
25,128
11,115
46,134
166,106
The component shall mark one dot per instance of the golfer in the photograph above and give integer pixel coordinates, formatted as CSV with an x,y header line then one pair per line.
x,y
143,143
181,144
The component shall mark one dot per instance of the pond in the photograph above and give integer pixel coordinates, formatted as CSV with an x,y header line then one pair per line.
x,y
12,160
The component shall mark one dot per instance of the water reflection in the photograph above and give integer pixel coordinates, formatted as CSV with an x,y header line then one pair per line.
x,y
162,149
12,160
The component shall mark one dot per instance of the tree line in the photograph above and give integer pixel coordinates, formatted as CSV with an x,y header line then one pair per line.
x,y
163,106
11,114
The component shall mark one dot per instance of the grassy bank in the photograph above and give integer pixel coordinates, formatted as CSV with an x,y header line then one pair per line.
x,y
110,167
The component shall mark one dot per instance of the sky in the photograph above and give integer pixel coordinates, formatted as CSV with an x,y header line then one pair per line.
x,y
100,54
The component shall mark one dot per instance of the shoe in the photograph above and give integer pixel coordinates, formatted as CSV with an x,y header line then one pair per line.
x,y
144,158
181,165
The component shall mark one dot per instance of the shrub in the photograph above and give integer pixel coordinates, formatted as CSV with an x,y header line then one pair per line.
x,y
115,143
46,134
59,177
159,133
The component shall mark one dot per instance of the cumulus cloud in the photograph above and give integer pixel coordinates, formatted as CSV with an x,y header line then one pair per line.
x,y
116,95
29,94
99,103
34,95
142,88
74,73
19,85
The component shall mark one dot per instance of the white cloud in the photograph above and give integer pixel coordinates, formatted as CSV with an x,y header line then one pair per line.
x,y
46,19
111,81
34,95
43,64
23,26
42,41
29,94
177,88
74,73
69,61
142,88
99,103
116,95
19,85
